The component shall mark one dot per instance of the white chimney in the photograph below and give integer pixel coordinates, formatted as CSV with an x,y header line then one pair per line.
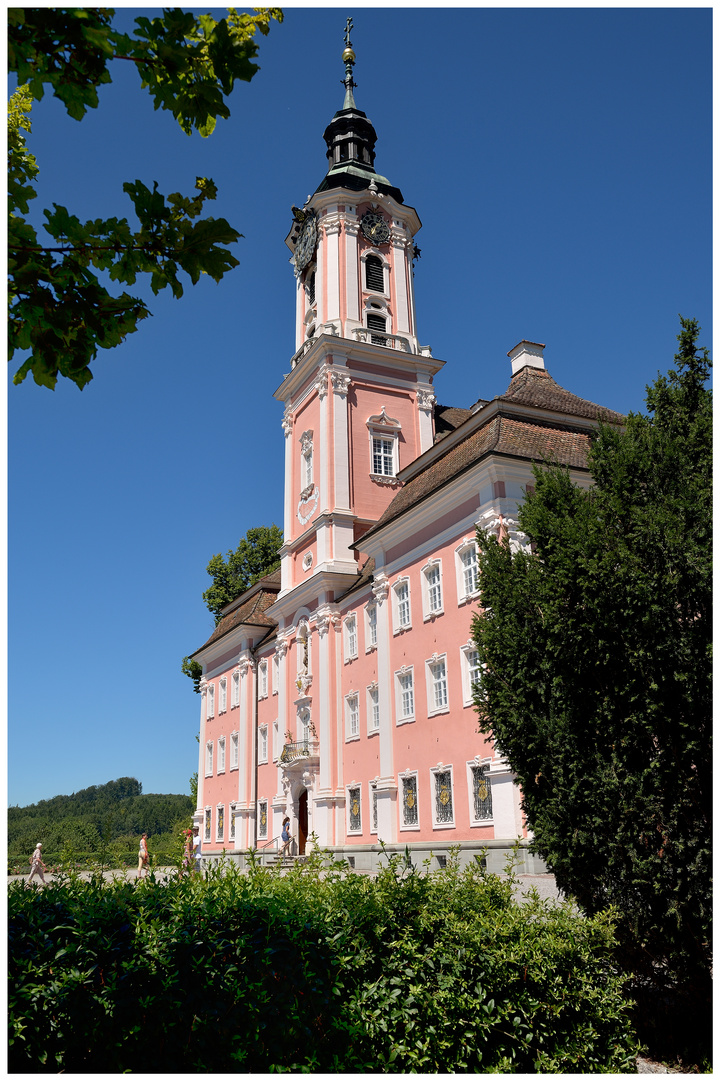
x,y
526,354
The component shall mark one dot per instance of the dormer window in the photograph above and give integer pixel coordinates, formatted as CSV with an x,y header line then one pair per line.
x,y
374,275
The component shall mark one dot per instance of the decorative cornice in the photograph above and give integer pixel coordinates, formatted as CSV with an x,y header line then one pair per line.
x,y
306,440
331,228
325,618
286,422
389,481
425,399
380,587
351,228
340,382
321,382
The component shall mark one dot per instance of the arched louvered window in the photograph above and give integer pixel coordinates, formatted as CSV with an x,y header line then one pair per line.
x,y
374,273
377,322
311,287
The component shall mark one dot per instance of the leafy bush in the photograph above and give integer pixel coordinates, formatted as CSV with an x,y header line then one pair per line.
x,y
317,970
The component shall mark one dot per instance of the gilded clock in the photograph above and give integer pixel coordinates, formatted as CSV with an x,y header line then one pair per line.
x,y
306,241
375,228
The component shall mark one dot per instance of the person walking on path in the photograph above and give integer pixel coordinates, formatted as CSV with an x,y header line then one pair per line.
x,y
143,856
285,836
37,866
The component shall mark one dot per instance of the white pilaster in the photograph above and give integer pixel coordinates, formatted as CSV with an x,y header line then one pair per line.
x,y
386,787
332,253
402,306
341,457
352,270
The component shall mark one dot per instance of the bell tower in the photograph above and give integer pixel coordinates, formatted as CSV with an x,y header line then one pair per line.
x,y
358,398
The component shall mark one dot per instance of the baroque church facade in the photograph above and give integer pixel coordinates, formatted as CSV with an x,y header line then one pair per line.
x,y
338,690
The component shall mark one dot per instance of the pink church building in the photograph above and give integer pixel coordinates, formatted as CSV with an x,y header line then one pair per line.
x,y
338,691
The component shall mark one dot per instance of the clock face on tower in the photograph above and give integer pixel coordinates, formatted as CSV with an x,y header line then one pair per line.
x,y
306,241
375,228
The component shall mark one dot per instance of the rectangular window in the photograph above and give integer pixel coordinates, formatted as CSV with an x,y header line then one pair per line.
x,y
374,709
383,456
410,800
434,599
354,809
234,750
276,673
220,821
221,755
372,625
469,570
209,759
210,700
207,823
351,638
444,798
403,605
263,819
471,669
405,695
263,679
482,798
231,822
474,668
235,691
352,725
263,743
439,686
223,695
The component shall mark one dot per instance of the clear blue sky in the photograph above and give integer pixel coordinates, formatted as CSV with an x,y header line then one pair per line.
x,y
560,161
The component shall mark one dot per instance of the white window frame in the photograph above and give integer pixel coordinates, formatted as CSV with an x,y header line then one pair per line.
x,y
262,835
231,821
412,826
359,788
464,595
209,758
234,750
434,681
221,755
373,708
383,426
276,673
467,651
263,744
371,625
210,701
432,591
435,772
276,740
220,822
352,716
208,824
235,690
398,626
263,679
223,696
350,638
402,687
482,763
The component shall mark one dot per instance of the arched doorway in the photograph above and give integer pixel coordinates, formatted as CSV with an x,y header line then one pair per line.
x,y
302,821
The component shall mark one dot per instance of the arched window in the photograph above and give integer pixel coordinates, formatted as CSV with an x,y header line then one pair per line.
x,y
310,283
374,274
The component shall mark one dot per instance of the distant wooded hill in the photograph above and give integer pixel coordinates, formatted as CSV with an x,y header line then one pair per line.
x,y
103,813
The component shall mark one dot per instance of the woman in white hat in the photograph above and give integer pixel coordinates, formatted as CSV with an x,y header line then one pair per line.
x,y
37,866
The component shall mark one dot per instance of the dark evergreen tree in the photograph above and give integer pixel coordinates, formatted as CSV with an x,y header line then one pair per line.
x,y
596,654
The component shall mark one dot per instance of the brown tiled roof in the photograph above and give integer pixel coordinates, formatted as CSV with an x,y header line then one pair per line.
x,y
250,612
365,576
447,418
534,386
502,435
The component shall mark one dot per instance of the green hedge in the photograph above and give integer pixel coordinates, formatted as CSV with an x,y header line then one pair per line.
x,y
319,969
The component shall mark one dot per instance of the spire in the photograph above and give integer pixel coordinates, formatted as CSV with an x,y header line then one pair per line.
x,y
350,139
349,61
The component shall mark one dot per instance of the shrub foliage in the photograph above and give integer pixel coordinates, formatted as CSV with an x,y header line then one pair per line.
x,y
318,970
